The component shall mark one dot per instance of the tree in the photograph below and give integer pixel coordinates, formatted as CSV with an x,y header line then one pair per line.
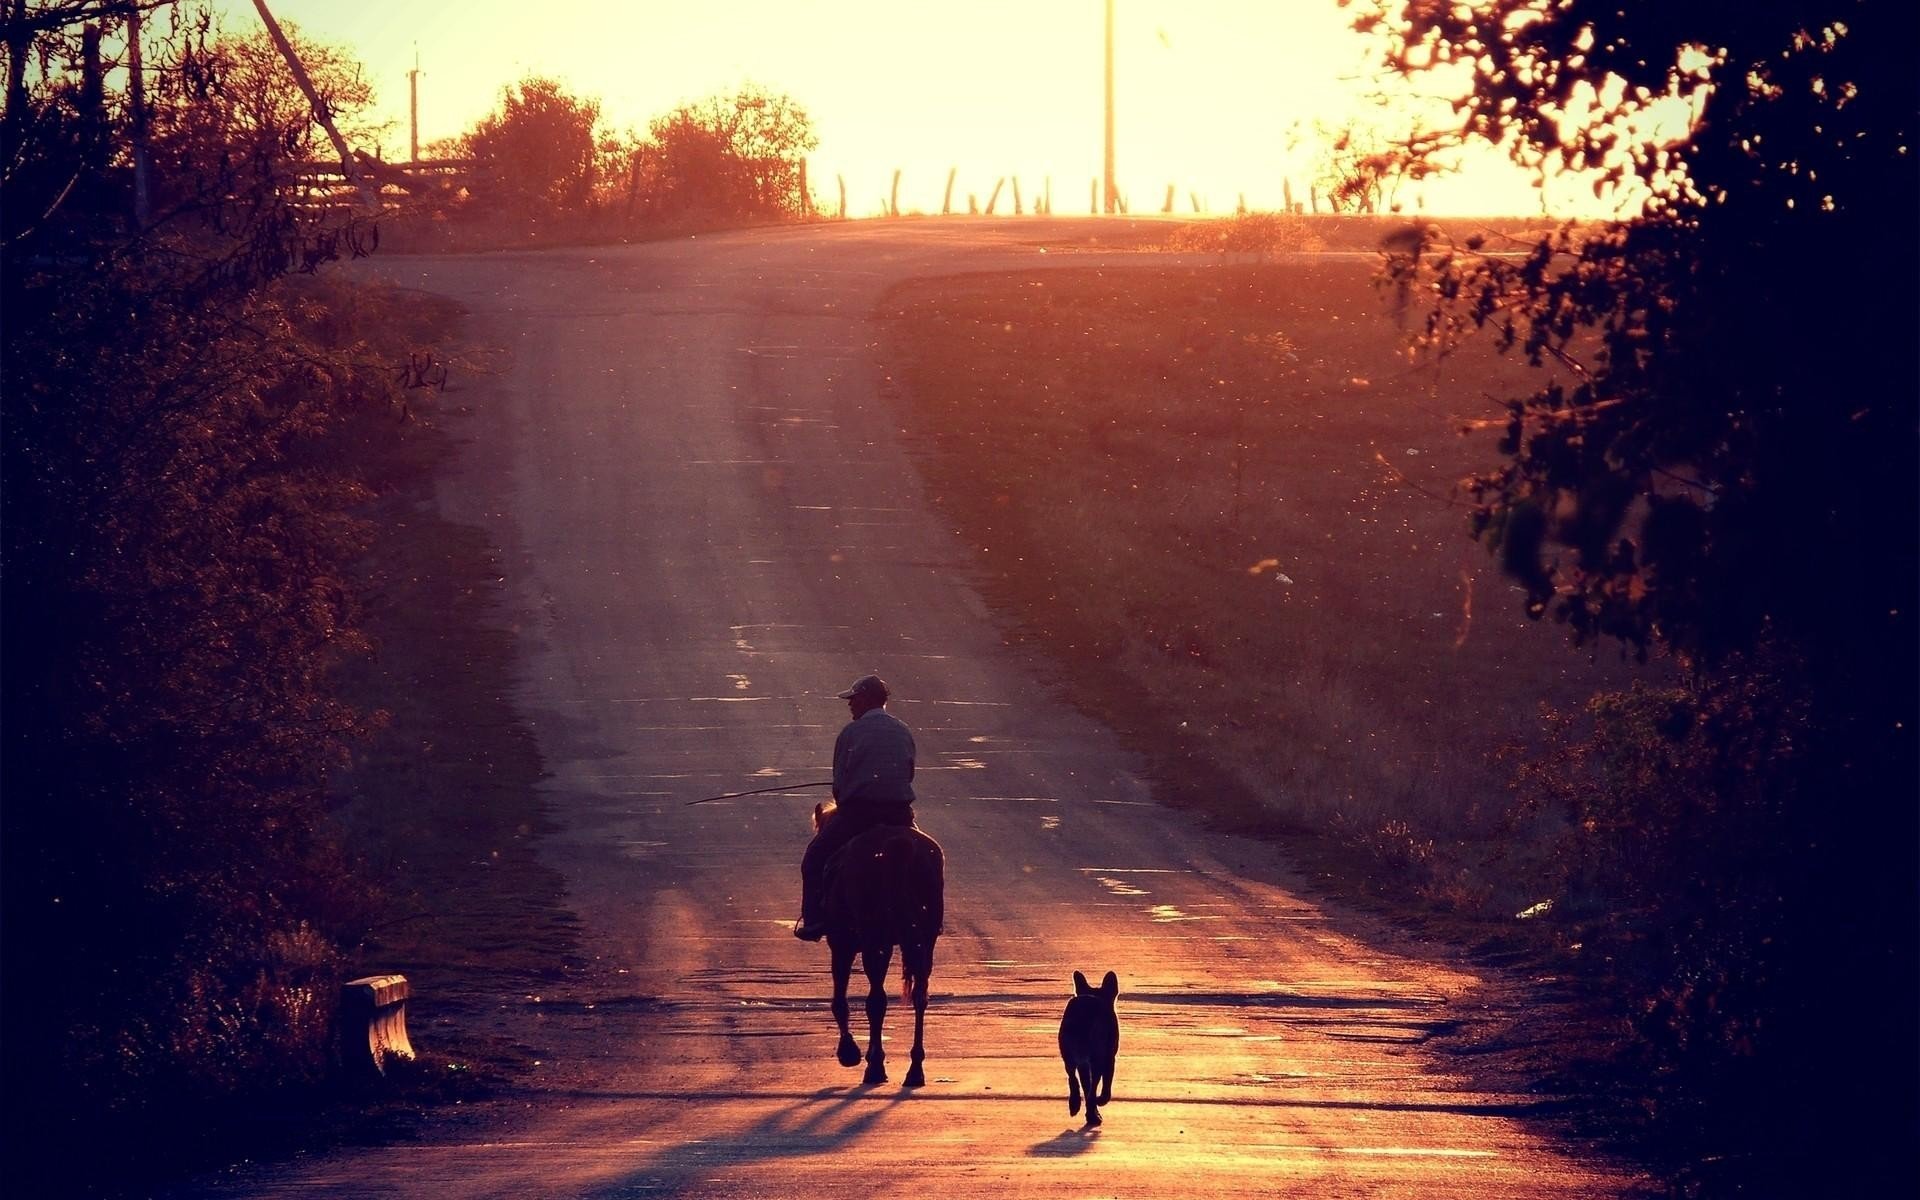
x,y
1705,406
535,155
173,563
731,157
1723,468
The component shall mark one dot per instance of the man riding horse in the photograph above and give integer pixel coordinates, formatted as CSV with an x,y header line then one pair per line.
x,y
872,786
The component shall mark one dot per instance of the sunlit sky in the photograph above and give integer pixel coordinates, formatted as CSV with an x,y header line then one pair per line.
x,y
1212,96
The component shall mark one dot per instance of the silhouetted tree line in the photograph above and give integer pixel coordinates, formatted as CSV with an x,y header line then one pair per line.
x,y
175,546
1725,474
544,156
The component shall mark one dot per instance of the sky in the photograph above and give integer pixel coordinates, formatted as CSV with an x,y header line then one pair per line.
x,y
1217,97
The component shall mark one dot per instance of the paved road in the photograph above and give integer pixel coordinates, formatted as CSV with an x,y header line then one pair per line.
x,y
710,526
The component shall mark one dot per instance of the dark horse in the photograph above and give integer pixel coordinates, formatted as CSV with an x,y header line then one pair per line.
x,y
886,888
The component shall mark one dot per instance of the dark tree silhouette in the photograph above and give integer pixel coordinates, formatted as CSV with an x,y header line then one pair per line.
x,y
730,157
1725,470
536,154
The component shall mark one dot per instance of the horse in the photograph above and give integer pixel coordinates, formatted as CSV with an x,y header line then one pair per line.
x,y
885,888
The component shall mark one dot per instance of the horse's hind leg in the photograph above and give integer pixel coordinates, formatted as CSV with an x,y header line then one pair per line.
x,y
876,965
848,1051
920,966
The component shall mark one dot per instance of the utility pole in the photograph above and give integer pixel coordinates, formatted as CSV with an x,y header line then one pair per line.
x,y
349,166
413,110
1111,192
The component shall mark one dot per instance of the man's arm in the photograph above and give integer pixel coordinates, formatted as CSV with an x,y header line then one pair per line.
x,y
840,761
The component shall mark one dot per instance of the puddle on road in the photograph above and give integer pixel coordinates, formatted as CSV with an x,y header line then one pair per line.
x,y
962,764
1047,823
1118,887
1166,912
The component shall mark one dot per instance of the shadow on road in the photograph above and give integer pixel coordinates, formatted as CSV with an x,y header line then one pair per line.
x,y
823,1122
1066,1143
1499,1106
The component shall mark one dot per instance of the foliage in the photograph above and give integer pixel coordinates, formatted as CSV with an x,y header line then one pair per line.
x,y
235,98
175,549
1639,784
536,155
730,157
1358,170
1721,466
1650,495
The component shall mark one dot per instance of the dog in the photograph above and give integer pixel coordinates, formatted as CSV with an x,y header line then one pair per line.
x,y
1089,1042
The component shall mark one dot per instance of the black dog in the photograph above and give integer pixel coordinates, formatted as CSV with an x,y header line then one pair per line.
x,y
1089,1041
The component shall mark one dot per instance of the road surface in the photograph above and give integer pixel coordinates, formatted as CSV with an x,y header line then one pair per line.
x,y
710,526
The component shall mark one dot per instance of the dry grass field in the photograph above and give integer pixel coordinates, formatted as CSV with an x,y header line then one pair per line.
x,y
1221,502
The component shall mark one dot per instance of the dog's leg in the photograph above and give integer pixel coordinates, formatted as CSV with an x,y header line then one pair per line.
x,y
1073,1091
1086,1085
1106,1081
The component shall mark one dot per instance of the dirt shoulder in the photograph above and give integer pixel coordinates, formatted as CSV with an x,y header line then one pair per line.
x,y
441,803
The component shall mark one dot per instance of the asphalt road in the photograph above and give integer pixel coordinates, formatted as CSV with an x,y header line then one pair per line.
x,y
710,526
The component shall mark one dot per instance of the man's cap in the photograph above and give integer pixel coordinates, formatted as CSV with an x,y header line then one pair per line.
x,y
868,687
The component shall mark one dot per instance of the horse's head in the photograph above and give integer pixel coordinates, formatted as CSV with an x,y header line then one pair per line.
x,y
820,814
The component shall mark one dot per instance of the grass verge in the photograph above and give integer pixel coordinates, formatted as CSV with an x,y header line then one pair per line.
x,y
1221,502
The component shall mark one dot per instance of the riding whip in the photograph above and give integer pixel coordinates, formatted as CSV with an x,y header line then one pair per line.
x,y
785,787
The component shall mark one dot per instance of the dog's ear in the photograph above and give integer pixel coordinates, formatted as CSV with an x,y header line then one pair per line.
x,y
1110,986
1080,985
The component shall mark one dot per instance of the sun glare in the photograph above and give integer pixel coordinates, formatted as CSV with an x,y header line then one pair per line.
x,y
1218,100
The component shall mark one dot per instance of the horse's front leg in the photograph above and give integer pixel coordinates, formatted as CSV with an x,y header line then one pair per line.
x,y
921,966
848,1052
876,965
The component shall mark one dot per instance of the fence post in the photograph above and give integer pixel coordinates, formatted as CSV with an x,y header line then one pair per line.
x,y
1094,193
994,196
806,195
893,197
843,196
946,201
1167,207
1047,195
1018,208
